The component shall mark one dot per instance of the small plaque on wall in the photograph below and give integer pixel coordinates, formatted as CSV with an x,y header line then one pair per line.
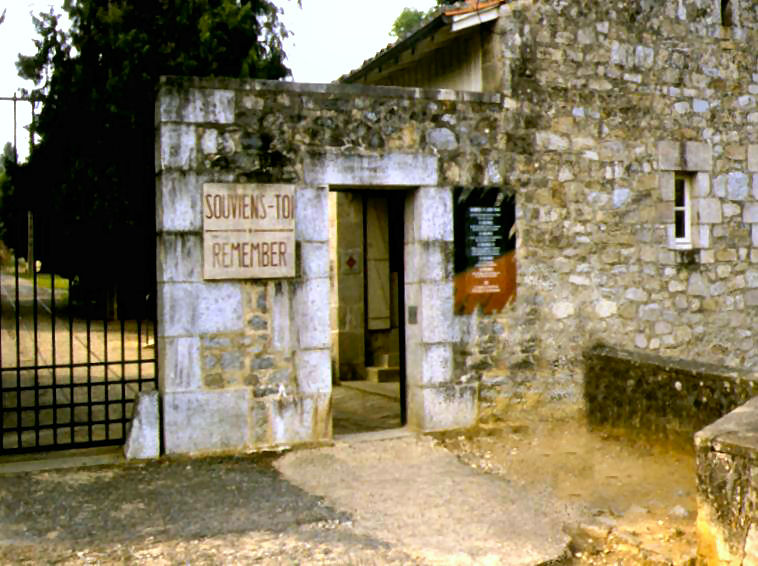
x,y
485,243
248,231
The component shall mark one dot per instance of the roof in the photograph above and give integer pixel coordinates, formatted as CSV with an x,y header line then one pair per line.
x,y
453,18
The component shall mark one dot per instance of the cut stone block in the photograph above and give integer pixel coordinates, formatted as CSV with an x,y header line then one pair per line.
x,y
378,374
179,363
179,205
219,308
391,169
314,371
296,420
143,441
180,257
197,422
311,309
312,214
442,408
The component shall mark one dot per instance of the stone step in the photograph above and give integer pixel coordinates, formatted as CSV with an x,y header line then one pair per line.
x,y
389,360
382,374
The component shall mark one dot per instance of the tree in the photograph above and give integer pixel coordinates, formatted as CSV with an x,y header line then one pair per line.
x,y
91,175
410,19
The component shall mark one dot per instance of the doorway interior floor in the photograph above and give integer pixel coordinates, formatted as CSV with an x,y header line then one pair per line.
x,y
364,406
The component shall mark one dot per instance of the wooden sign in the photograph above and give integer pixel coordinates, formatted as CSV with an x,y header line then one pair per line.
x,y
248,231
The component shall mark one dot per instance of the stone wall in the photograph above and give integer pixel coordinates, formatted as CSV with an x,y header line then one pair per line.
x,y
658,396
245,364
608,102
727,488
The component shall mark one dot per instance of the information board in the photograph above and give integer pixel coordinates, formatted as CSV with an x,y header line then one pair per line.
x,y
484,249
248,231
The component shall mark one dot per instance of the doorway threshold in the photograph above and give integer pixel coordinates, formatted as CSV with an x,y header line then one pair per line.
x,y
374,435
389,390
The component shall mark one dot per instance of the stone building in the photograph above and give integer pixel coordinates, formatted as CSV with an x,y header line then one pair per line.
x,y
630,143
471,211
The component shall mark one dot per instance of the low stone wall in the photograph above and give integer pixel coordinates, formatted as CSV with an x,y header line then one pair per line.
x,y
727,486
663,396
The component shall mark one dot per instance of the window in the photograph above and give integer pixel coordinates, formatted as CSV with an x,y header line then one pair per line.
x,y
726,13
682,220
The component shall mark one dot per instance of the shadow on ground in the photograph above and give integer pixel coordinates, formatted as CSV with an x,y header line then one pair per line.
x,y
166,500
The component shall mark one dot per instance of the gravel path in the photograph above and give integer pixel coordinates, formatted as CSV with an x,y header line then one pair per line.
x,y
401,501
417,496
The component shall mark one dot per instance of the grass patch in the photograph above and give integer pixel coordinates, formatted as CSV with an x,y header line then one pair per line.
x,y
44,280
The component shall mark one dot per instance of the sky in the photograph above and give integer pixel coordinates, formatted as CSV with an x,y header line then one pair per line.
x,y
330,38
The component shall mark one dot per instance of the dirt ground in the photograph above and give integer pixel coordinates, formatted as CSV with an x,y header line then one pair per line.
x,y
634,498
621,500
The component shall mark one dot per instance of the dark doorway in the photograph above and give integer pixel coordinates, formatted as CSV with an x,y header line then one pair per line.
x,y
367,250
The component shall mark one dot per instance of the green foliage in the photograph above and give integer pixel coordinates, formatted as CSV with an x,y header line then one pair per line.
x,y
408,20
92,173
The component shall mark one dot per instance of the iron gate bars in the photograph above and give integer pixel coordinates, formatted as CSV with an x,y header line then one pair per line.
x,y
70,371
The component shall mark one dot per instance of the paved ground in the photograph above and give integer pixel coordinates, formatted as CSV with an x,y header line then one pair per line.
x,y
396,500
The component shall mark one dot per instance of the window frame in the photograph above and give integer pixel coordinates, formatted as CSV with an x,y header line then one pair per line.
x,y
682,210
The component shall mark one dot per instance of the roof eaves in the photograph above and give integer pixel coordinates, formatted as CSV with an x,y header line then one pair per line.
x,y
427,28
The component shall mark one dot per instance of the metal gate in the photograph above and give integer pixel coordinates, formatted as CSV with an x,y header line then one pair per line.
x,y
70,369
74,354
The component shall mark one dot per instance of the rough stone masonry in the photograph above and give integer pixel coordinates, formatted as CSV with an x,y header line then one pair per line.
x,y
245,361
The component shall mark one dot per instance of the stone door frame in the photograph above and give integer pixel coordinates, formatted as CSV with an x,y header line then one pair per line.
x,y
433,400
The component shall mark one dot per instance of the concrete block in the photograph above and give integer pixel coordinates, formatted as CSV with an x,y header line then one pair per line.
x,y
708,210
382,374
180,257
296,420
312,214
752,158
314,259
179,205
177,309
436,365
701,185
435,261
436,312
390,169
442,408
215,106
206,421
433,214
737,186
198,106
282,339
669,156
412,262
311,313
178,147
313,370
179,363
219,308
750,213
684,156
143,441
666,184
697,156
